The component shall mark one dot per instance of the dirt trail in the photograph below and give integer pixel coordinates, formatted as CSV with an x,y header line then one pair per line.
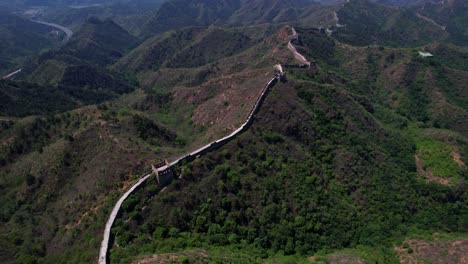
x,y
431,21
68,32
457,158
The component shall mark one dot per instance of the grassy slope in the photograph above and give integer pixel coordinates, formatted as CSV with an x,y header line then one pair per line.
x,y
424,93
22,99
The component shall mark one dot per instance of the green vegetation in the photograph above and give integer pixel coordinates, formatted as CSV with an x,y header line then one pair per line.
x,y
54,171
437,157
326,172
175,14
358,255
189,47
20,39
130,15
335,171
22,99
451,15
369,23
267,200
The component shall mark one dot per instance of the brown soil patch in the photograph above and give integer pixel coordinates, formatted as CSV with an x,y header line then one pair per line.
x,y
83,216
8,141
223,104
457,158
429,176
339,258
160,258
284,33
438,251
193,256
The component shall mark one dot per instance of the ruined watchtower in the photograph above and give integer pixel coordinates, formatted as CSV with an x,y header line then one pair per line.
x,y
164,173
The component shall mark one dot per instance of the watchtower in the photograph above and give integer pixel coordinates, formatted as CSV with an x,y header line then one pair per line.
x,y
164,173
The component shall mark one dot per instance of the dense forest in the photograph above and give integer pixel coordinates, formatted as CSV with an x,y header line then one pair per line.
x,y
359,158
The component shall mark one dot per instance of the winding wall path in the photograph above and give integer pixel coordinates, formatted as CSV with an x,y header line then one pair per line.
x,y
190,156
293,49
203,150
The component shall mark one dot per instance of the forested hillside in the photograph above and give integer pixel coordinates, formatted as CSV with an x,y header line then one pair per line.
x,y
452,16
368,23
81,62
334,160
359,157
21,38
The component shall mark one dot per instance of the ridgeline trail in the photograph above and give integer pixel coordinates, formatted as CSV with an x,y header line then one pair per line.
x,y
291,47
103,254
431,21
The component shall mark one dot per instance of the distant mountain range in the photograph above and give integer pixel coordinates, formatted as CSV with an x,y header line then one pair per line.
x,y
181,13
367,23
450,14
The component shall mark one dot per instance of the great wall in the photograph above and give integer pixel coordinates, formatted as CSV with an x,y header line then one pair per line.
x,y
164,171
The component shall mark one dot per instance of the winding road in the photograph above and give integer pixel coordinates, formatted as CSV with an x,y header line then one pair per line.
x,y
104,249
8,76
68,33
